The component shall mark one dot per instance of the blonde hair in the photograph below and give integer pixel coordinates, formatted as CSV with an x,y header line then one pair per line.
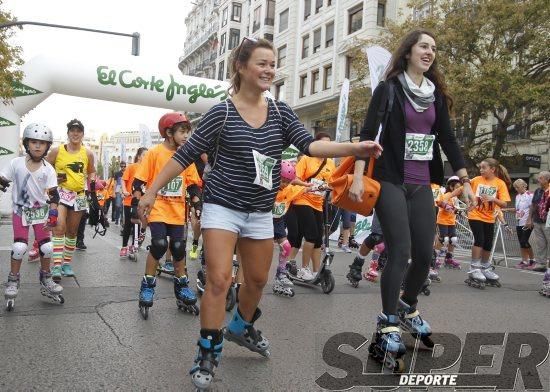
x,y
500,171
519,183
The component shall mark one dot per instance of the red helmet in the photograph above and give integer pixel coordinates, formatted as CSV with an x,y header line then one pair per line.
x,y
288,172
169,119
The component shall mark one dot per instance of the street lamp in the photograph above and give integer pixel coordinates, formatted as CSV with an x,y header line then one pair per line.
x,y
135,36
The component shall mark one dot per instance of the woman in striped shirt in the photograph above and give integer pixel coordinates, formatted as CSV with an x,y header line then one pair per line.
x,y
244,138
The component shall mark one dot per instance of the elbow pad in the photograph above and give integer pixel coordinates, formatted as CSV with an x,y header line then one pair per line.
x,y
137,186
194,190
53,194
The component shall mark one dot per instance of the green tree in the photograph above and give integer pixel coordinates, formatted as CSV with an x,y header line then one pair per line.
x,y
496,60
10,59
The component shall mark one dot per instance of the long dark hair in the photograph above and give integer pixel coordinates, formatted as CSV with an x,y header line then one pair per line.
x,y
398,63
240,56
140,151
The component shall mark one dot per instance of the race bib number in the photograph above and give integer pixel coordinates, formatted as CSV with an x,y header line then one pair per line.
x,y
264,170
419,147
436,192
67,197
35,215
173,189
279,210
485,190
316,185
80,203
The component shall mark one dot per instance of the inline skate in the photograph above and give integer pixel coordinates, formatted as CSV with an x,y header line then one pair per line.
x,y
425,289
292,268
476,278
545,289
352,243
451,263
147,295
491,278
132,253
282,285
410,321
354,274
50,289
244,334
186,299
11,290
433,275
388,347
208,359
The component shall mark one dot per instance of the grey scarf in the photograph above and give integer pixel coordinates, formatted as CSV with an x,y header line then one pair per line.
x,y
420,97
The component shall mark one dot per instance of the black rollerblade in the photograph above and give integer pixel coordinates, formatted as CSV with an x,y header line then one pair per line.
x,y
208,359
426,287
354,275
292,268
244,334
388,348
352,243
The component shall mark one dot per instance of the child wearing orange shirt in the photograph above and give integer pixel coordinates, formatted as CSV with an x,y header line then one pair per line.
x,y
167,217
446,219
491,191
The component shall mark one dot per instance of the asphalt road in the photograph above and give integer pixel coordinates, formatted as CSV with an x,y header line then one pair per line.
x,y
97,340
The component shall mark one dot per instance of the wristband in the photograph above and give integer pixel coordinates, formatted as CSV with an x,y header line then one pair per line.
x,y
464,180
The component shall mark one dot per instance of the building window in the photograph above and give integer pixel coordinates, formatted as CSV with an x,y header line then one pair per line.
x,y
355,19
281,56
234,38
316,40
270,13
314,82
268,37
257,16
280,91
329,35
221,69
329,3
381,14
351,73
283,20
236,12
305,46
318,5
224,16
307,9
303,85
327,78
222,43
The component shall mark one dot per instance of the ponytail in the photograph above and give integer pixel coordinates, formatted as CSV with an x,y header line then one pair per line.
x,y
502,173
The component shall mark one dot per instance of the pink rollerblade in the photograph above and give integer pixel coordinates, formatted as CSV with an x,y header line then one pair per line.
x,y
34,253
452,263
372,274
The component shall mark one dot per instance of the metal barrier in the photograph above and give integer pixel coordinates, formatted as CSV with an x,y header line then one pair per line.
x,y
505,242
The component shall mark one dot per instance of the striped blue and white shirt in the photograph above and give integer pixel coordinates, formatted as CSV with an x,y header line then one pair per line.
x,y
231,181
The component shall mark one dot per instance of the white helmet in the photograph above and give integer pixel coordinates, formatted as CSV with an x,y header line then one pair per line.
x,y
453,179
37,131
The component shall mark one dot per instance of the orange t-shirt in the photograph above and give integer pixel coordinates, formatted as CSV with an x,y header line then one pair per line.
x,y
110,188
306,167
437,190
169,204
128,179
485,211
445,217
284,198
102,195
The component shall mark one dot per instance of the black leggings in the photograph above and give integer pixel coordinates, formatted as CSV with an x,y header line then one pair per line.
x,y
407,218
128,227
483,234
308,225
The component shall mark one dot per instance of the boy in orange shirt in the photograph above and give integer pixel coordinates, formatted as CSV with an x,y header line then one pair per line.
x,y
167,217
446,219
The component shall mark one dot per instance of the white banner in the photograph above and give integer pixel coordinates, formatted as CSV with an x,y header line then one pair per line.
x,y
362,229
379,59
123,152
342,110
145,136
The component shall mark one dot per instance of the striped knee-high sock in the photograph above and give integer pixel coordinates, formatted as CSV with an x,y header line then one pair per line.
x,y
70,244
57,254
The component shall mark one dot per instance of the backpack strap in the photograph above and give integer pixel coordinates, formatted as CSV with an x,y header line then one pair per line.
x,y
220,132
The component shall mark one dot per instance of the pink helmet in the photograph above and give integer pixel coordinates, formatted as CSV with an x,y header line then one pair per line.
x,y
287,171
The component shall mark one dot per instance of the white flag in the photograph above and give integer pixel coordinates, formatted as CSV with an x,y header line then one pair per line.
x,y
379,59
145,136
342,109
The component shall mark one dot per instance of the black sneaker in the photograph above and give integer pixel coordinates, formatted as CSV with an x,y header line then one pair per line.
x,y
80,246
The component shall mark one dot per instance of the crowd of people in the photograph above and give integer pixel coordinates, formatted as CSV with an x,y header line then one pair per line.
x,y
227,181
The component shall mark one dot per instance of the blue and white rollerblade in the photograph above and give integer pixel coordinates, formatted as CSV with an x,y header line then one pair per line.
x,y
186,299
208,358
410,321
388,347
244,334
147,295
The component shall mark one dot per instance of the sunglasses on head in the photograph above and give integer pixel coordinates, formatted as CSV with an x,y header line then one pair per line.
x,y
250,39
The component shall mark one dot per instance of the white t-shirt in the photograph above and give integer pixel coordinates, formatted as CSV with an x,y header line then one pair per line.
x,y
29,189
523,202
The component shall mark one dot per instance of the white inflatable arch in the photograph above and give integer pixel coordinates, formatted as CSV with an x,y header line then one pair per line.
x,y
128,80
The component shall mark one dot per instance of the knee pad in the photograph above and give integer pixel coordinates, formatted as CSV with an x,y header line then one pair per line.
x,y
158,247
18,250
373,239
454,240
285,248
446,241
178,250
46,250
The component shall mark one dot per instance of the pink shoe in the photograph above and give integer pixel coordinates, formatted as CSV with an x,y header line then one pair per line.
x,y
123,252
372,274
522,265
34,255
452,263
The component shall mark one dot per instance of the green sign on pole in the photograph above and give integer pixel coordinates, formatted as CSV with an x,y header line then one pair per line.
x,y
4,122
21,90
5,151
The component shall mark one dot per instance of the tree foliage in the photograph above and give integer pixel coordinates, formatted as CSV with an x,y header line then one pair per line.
x,y
496,60
10,59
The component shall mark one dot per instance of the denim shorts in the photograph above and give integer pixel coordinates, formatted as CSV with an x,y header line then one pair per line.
x,y
255,225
